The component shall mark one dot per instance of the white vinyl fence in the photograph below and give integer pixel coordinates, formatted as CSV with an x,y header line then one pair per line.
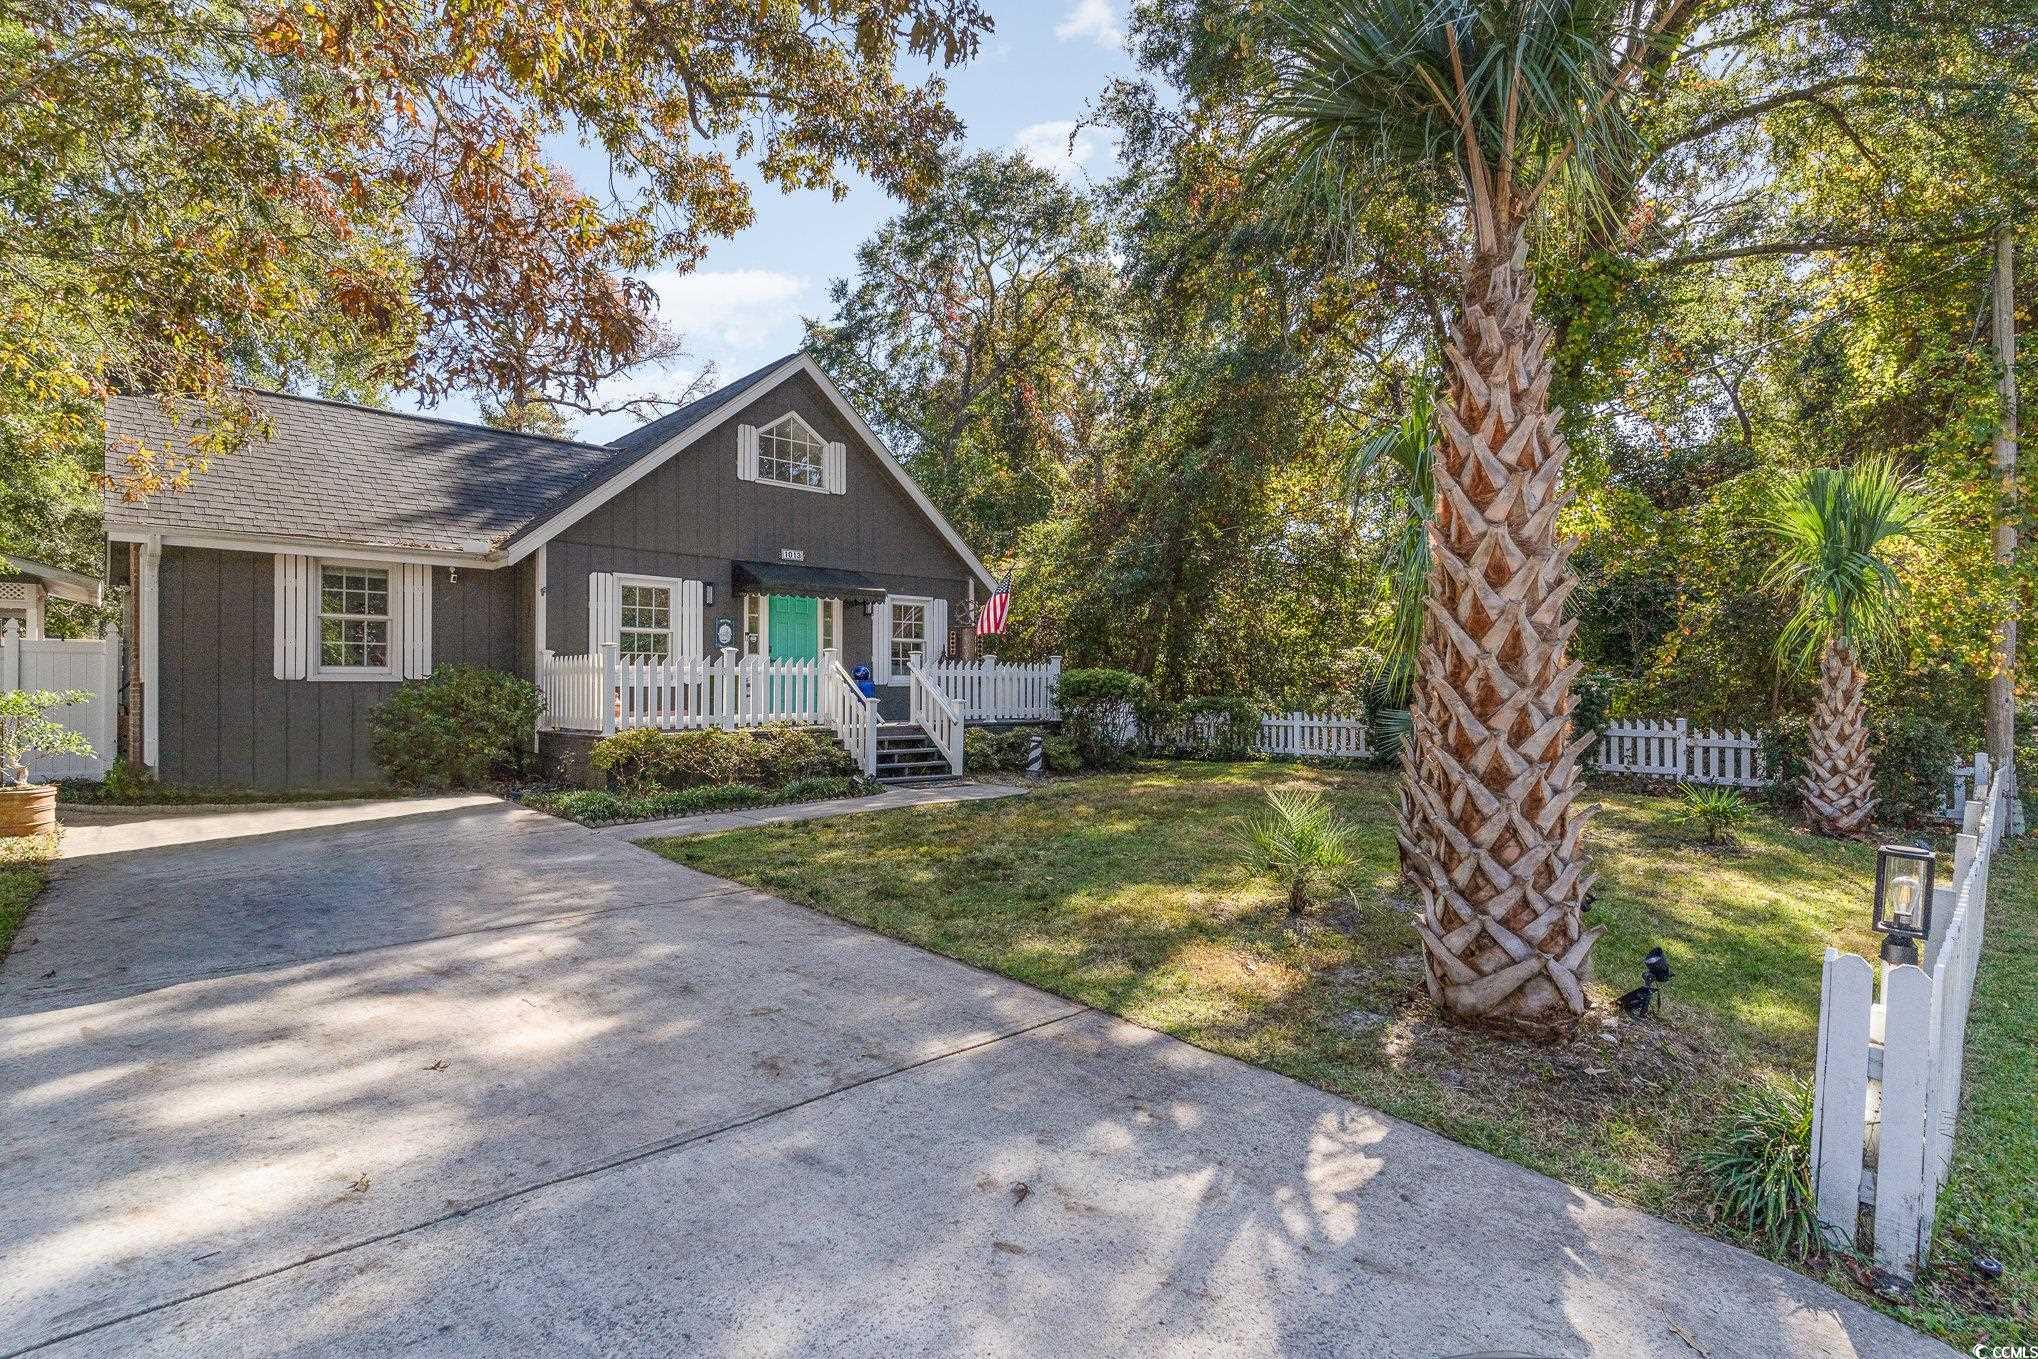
x,y
92,665
1889,1068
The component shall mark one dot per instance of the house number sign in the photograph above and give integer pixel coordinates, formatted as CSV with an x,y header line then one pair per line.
x,y
792,554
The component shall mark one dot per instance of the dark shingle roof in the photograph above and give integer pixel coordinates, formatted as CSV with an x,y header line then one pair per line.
x,y
354,474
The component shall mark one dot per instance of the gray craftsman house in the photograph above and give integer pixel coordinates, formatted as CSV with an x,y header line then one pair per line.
x,y
728,564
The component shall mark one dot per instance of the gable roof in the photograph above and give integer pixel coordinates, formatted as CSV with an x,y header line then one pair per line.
x,y
331,472
607,483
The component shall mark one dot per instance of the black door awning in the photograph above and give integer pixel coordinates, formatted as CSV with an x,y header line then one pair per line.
x,y
792,578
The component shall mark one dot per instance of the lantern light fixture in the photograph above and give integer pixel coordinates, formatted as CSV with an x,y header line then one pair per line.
x,y
1903,899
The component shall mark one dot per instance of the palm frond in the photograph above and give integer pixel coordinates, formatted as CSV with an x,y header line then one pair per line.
x,y
1509,95
1833,529
1409,447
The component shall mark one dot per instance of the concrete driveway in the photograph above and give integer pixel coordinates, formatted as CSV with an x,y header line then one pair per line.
x,y
482,1082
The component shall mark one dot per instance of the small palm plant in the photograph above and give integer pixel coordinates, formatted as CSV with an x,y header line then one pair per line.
x,y
1717,812
1301,843
27,732
1833,529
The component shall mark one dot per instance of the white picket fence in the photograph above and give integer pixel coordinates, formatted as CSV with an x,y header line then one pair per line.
x,y
677,695
92,665
1669,749
989,690
606,693
1313,736
1889,1069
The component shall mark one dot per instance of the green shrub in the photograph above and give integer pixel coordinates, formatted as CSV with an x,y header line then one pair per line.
x,y
589,805
1233,725
1061,755
1301,843
982,751
1099,713
646,761
459,729
817,788
1913,757
1717,812
1760,1165
1786,748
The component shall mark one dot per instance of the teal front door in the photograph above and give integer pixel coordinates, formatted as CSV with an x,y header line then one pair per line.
x,y
794,623
795,628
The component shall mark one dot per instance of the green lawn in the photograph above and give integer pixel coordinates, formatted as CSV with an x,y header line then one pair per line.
x,y
21,880
1124,892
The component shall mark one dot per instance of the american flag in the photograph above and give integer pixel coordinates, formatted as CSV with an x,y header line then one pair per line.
x,y
991,616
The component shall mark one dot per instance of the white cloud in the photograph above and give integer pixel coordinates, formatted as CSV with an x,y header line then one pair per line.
x,y
1059,146
1096,20
731,309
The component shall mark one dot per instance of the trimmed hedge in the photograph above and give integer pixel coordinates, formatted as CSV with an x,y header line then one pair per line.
x,y
1100,711
645,761
594,807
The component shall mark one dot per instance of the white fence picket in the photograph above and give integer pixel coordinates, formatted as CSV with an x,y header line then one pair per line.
x,y
1838,1133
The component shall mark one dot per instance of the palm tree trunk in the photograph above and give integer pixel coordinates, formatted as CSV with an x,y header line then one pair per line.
x,y
1839,782
1492,767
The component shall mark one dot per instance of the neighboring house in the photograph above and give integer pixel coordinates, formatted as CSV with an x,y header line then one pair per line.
x,y
300,579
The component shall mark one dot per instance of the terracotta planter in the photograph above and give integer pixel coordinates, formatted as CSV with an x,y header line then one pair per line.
x,y
28,811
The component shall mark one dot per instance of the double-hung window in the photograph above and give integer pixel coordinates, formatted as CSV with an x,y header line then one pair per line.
x,y
909,633
646,632
353,619
791,454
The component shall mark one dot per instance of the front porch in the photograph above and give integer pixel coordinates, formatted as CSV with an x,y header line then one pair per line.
x,y
591,695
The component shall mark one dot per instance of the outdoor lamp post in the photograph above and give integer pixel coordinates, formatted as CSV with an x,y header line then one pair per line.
x,y
1903,899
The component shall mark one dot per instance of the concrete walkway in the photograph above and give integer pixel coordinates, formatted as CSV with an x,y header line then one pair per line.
x,y
484,1082
891,798
90,831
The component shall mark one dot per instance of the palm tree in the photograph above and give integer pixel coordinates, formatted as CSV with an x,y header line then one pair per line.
x,y
1833,528
1516,103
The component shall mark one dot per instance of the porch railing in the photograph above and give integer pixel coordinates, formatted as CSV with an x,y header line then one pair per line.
x,y
992,691
936,714
852,717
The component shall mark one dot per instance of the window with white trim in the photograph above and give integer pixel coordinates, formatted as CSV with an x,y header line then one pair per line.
x,y
909,633
646,632
353,618
790,453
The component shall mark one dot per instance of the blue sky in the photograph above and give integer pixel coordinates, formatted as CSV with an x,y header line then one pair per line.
x,y
1036,75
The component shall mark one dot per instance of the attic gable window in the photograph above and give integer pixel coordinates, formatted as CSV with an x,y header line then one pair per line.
x,y
790,453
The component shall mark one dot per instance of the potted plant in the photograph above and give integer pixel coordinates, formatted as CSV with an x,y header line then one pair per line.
x,y
25,733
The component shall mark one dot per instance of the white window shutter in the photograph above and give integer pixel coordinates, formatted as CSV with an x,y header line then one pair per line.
x,y
296,615
835,468
881,642
604,611
413,609
937,630
746,452
692,622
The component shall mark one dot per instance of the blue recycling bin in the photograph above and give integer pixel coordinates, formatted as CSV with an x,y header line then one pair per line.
x,y
863,682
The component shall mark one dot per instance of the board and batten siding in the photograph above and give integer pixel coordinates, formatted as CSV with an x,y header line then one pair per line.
x,y
693,517
225,720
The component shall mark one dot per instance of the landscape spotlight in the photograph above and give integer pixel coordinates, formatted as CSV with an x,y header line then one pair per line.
x,y
1903,899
